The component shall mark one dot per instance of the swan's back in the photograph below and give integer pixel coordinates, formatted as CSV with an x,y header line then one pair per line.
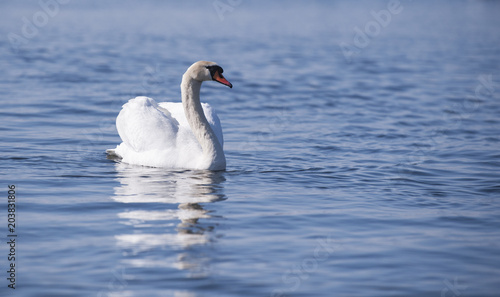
x,y
159,135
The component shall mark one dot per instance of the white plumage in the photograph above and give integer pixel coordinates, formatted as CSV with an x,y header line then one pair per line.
x,y
159,135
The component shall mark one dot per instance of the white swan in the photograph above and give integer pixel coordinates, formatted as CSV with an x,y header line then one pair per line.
x,y
174,135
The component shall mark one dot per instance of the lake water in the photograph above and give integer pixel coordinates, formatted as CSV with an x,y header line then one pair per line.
x,y
362,142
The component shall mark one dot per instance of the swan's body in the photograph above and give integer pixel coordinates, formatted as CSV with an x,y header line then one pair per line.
x,y
174,135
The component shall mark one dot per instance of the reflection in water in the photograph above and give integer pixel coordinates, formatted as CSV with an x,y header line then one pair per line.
x,y
162,199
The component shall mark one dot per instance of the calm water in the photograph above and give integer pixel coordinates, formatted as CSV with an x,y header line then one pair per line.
x,y
371,169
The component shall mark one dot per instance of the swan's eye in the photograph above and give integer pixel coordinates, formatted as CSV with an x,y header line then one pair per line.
x,y
214,69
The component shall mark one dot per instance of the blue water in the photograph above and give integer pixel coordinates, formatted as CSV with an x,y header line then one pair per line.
x,y
367,169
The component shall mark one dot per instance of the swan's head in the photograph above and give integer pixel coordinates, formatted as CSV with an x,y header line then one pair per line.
x,y
203,71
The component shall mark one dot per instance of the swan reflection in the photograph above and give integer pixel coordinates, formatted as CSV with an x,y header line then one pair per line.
x,y
170,226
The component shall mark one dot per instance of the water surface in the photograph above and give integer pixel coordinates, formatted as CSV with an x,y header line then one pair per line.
x,y
371,174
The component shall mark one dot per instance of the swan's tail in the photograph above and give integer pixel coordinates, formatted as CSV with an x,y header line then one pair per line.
x,y
112,155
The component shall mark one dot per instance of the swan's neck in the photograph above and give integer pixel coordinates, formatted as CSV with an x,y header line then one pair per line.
x,y
212,149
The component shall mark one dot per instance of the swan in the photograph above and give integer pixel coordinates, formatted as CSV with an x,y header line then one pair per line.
x,y
184,135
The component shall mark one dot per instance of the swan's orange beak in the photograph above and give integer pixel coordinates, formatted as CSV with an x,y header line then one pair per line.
x,y
219,78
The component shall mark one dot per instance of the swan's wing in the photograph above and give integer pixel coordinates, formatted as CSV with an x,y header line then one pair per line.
x,y
214,121
177,112
143,126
